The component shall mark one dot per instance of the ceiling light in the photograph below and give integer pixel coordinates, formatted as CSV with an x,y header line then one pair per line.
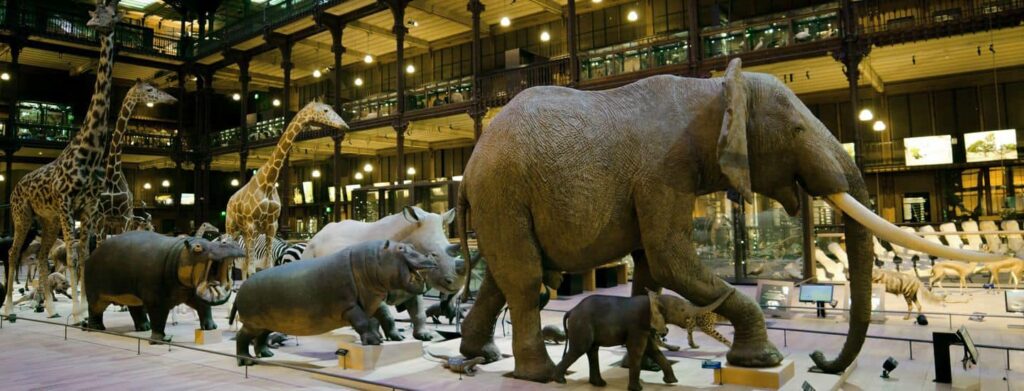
x,y
368,167
2,178
165,183
234,183
878,126
317,74
316,173
359,176
544,36
5,76
866,115
149,104
276,102
505,21
236,97
632,16
411,171
358,81
147,186
368,59
410,69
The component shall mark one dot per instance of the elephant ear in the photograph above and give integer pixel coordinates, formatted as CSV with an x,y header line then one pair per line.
x,y
732,143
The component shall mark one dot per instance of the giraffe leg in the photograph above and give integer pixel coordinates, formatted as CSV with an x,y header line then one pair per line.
x,y
74,256
22,217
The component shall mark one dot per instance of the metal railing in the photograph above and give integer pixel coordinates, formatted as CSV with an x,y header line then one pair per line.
x,y
266,19
640,55
497,88
875,16
772,31
259,361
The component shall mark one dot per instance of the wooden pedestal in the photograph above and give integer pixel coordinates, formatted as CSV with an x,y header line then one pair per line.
x,y
207,337
367,357
771,378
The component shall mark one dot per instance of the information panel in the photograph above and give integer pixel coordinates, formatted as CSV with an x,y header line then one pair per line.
x,y
991,145
928,150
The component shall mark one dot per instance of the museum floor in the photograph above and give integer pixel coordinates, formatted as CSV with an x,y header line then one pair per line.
x,y
36,356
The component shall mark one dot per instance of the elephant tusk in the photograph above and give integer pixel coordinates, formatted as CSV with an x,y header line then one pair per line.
x,y
892,233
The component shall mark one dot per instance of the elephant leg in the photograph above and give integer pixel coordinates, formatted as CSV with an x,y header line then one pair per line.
x,y
636,346
386,320
418,316
668,374
581,340
205,313
665,218
478,326
138,317
595,367
515,264
642,279
158,319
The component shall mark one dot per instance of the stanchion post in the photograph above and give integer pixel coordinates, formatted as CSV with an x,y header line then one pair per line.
x,y
138,347
910,347
785,339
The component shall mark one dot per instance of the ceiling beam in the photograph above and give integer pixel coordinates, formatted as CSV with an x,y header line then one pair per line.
x,y
372,29
872,76
548,5
348,51
430,8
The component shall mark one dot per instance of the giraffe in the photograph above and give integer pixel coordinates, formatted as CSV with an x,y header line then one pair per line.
x,y
116,202
69,186
255,208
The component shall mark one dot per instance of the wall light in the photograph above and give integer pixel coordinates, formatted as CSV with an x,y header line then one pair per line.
x,y
878,126
411,171
368,167
505,21
866,115
234,183
358,81
545,36
359,176
632,16
165,183
147,186
236,97
368,59
276,102
317,73
410,69
316,173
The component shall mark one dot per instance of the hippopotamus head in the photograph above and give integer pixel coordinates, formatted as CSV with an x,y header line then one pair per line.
x,y
205,267
426,233
411,269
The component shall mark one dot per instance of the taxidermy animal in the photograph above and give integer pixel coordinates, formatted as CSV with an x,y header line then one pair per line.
x,y
1012,265
5,252
446,308
425,232
637,322
459,364
151,273
684,314
55,282
640,155
338,290
953,269
553,334
906,285
276,340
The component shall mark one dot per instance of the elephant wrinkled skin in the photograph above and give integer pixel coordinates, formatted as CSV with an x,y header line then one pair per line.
x,y
564,180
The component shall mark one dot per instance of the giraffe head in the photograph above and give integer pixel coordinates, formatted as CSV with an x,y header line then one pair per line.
x,y
105,17
145,93
320,114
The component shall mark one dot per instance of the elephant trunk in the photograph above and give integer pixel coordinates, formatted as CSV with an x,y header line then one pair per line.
x,y
859,246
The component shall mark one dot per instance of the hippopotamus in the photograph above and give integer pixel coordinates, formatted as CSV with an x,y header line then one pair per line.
x,y
314,297
152,273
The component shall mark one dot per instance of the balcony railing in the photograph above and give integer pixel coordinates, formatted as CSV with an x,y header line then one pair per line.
x,y
497,88
433,94
61,134
149,141
648,53
266,19
772,31
876,16
269,129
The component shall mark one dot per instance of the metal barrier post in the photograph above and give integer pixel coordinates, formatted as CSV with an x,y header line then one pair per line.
x,y
910,347
785,339
138,347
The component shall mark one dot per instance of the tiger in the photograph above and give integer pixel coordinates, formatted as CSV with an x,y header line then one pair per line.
x,y
906,285
705,322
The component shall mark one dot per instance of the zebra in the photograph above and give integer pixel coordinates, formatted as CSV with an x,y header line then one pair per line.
x,y
291,254
281,252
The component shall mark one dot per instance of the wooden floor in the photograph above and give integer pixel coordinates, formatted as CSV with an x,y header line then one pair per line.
x,y
35,356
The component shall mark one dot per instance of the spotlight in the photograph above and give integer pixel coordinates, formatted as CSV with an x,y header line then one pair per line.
x,y
632,16
368,167
359,176
5,76
411,171
276,102
234,183
317,74
358,81
544,36
236,97
505,21
316,173
368,59
878,126
888,366
165,183
147,186
866,115
410,69
149,104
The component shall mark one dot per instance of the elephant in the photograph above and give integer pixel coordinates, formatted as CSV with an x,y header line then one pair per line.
x,y
563,180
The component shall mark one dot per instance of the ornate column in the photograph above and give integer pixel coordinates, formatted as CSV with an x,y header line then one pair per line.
x,y
693,37
180,153
284,44
477,109
398,13
243,111
570,28
12,145
853,50
336,26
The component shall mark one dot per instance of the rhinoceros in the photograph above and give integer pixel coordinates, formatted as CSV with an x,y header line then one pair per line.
x,y
341,289
152,273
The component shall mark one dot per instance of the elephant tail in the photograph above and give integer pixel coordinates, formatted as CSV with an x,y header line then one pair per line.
x,y
461,212
565,329
234,311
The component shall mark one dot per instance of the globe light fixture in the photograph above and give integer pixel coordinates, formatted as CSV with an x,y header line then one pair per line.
x,y
410,69
5,76
545,36
368,167
505,21
2,178
411,171
317,73
358,81
149,104
878,126
359,176
866,115
147,186
368,59
276,102
316,173
165,183
236,97
234,183
632,16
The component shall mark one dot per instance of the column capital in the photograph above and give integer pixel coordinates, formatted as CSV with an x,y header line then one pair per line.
x,y
476,7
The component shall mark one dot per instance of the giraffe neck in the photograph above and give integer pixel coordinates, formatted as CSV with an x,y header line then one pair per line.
x,y
267,175
90,137
117,138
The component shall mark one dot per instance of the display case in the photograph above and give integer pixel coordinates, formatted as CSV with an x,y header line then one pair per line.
x,y
44,121
634,56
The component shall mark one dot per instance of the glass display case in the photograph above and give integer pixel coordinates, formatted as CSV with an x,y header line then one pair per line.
x,y
772,31
371,107
774,241
44,121
725,43
816,27
440,93
634,56
713,233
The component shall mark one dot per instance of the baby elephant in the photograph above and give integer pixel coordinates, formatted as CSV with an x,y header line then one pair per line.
x,y
637,323
314,297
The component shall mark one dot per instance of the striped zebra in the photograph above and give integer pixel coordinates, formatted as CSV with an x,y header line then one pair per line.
x,y
281,252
